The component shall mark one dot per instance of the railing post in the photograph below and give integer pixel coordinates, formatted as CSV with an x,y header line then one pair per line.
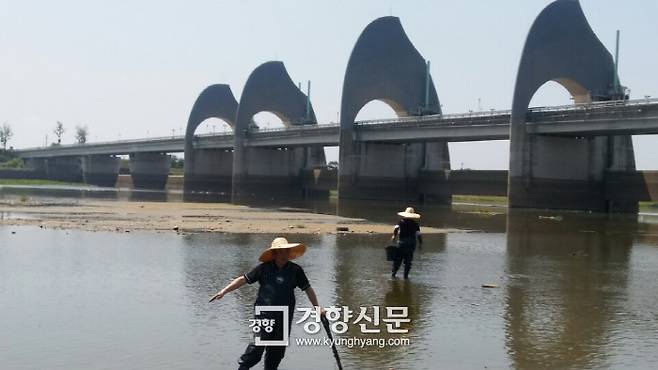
x,y
308,101
616,76
427,87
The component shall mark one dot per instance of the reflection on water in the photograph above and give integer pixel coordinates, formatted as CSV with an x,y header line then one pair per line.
x,y
467,217
87,192
576,291
569,290
63,191
362,279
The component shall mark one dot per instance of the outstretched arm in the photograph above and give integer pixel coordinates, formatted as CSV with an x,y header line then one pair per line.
x,y
310,293
233,285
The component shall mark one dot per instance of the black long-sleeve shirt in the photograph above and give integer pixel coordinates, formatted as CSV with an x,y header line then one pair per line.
x,y
277,286
408,230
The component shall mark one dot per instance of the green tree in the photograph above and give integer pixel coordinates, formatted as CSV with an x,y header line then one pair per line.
x,y
59,132
177,162
81,133
5,134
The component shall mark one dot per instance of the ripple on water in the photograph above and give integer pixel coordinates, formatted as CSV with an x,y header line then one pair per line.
x,y
565,299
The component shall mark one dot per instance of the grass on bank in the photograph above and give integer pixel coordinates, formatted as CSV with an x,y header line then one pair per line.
x,y
495,200
475,199
13,164
35,182
176,171
649,206
502,201
480,199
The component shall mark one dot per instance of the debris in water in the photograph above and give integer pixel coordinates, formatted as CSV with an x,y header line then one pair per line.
x,y
489,285
552,218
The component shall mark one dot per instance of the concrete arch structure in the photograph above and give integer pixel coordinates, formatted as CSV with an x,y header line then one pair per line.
x,y
384,65
562,47
209,170
272,172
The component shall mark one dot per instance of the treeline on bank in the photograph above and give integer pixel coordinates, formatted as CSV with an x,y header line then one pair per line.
x,y
9,159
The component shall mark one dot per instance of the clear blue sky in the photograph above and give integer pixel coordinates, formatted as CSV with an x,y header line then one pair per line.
x,y
126,69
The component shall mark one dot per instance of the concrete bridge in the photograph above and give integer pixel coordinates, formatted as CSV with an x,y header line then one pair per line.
x,y
583,120
628,117
560,157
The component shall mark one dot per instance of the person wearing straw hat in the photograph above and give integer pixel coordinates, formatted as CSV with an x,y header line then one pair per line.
x,y
408,231
278,277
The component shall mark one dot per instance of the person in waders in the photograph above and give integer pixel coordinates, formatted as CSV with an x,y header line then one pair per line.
x,y
407,231
278,277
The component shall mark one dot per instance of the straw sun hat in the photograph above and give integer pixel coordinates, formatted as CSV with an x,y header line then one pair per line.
x,y
296,249
409,213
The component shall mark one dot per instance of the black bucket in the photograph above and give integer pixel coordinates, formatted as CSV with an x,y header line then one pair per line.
x,y
391,252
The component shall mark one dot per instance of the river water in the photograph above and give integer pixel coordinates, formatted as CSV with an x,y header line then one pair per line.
x,y
574,291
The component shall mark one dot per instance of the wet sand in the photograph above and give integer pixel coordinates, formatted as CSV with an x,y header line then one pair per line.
x,y
122,216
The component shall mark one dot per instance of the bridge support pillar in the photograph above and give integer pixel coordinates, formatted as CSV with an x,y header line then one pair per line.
x,y
433,186
277,172
149,170
100,170
38,165
376,171
385,66
66,169
209,170
316,177
555,171
268,172
570,173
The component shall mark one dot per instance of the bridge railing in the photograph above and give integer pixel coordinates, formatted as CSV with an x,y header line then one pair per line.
x,y
127,141
101,143
595,105
436,117
296,128
503,113
213,134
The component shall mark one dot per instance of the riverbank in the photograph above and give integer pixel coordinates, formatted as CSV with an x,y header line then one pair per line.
x,y
36,182
175,183
502,201
124,216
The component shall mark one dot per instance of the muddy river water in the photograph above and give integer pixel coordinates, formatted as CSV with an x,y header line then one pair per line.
x,y
571,291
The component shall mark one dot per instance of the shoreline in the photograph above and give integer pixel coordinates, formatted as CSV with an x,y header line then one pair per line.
x,y
181,217
124,184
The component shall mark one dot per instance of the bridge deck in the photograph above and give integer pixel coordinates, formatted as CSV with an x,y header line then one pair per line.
x,y
638,117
